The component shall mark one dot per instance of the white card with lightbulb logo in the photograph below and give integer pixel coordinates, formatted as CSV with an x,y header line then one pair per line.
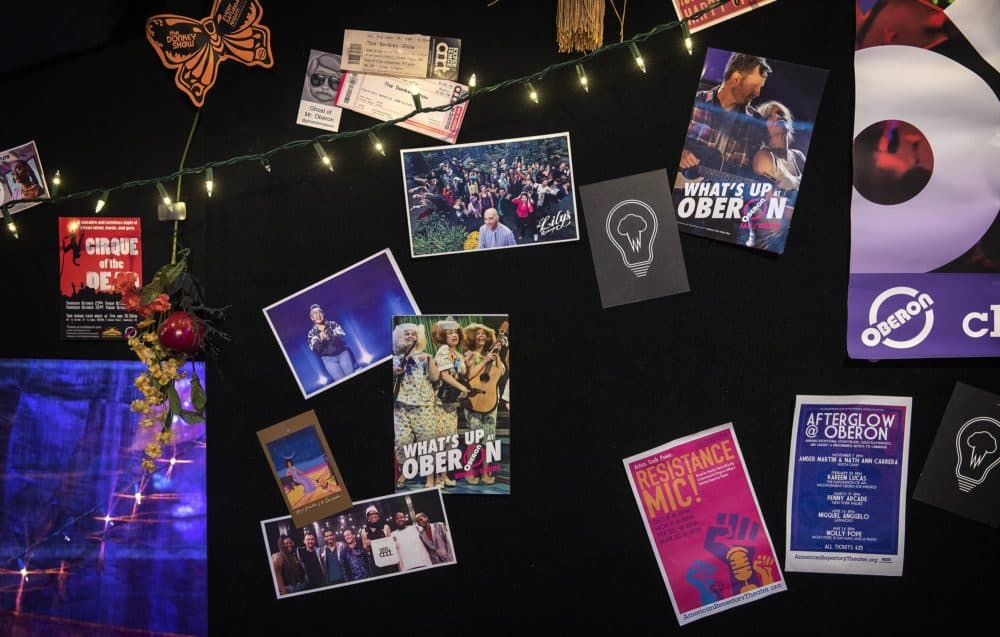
x,y
962,472
847,485
633,238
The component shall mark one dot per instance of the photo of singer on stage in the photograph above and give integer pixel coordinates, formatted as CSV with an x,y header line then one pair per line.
x,y
451,403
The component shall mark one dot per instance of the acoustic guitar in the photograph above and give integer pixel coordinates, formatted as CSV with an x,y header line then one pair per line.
x,y
485,396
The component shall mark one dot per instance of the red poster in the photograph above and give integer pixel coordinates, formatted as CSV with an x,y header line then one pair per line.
x,y
723,12
92,250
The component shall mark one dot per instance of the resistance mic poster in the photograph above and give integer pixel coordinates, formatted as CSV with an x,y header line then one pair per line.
x,y
704,523
92,250
925,233
847,485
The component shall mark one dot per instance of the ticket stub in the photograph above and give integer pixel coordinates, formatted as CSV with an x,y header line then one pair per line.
x,y
401,55
386,98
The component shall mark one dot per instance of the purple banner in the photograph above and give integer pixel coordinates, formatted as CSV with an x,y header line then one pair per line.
x,y
925,233
923,315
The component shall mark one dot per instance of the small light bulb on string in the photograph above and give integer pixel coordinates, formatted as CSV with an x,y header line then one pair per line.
x,y
377,143
266,164
323,157
638,56
102,201
56,180
686,34
415,94
209,180
532,93
163,193
11,228
472,82
583,77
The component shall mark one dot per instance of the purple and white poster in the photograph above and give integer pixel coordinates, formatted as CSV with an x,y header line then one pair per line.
x,y
925,233
847,485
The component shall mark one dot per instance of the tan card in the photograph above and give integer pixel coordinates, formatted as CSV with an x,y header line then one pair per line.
x,y
304,468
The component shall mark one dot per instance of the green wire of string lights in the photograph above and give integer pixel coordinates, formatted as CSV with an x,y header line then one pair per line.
x,y
371,130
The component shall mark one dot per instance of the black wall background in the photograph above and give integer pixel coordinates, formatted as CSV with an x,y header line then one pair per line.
x,y
567,548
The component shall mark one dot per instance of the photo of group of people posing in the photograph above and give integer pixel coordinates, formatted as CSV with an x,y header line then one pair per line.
x,y
451,391
490,195
375,538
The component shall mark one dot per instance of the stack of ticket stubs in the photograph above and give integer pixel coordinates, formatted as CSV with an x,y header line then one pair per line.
x,y
378,73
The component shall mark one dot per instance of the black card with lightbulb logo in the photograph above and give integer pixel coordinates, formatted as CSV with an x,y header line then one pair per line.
x,y
633,239
962,472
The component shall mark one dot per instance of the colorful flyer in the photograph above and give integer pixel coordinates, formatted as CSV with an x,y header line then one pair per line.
x,y
386,98
374,539
723,12
744,157
334,329
961,473
21,176
317,107
451,403
401,55
847,485
925,233
304,468
704,523
633,239
92,250
507,193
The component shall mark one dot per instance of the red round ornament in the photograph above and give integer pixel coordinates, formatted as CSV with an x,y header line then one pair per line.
x,y
182,331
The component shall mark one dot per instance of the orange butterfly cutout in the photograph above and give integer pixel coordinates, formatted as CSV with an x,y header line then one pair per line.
x,y
195,49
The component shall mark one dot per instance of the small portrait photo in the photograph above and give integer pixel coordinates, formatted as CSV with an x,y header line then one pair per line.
x,y
507,193
374,539
21,176
304,468
323,77
335,328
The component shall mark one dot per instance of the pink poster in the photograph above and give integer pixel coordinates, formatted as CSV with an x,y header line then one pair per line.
x,y
704,523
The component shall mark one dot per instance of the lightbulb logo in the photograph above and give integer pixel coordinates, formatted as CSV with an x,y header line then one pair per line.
x,y
976,446
631,226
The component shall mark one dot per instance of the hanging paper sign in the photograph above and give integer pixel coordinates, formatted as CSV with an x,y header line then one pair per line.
x,y
719,14
92,250
925,234
704,523
196,47
847,485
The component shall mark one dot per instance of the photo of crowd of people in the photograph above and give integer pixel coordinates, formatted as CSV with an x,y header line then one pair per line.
x,y
451,403
377,538
750,129
499,194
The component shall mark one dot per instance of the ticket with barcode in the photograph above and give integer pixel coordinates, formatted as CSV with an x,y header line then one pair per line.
x,y
401,55
386,98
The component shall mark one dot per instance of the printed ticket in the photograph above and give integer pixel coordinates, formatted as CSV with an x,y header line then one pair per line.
x,y
401,55
386,98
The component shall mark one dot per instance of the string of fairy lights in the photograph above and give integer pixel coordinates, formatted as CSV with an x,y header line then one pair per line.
x,y
318,142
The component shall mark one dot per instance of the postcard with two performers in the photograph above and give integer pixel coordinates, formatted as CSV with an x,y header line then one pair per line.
x,y
451,403
741,168
304,468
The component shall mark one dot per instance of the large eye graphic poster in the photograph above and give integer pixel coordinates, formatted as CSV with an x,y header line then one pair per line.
x,y
925,233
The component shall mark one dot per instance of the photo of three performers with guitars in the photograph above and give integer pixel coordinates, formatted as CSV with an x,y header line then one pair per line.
x,y
451,403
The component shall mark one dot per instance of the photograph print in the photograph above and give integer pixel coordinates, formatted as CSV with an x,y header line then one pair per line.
x,y
374,539
507,193
335,329
21,176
